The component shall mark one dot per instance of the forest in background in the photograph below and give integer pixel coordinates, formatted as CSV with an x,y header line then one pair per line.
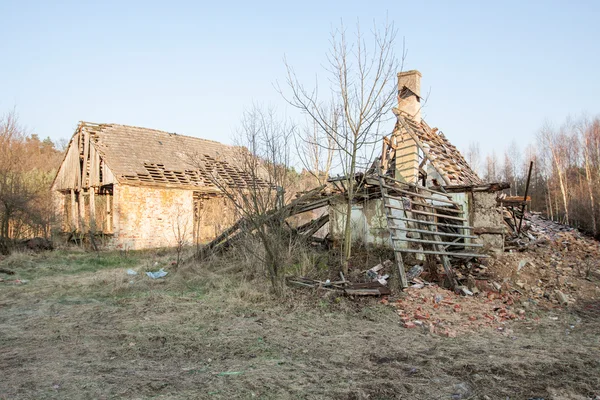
x,y
28,165
565,179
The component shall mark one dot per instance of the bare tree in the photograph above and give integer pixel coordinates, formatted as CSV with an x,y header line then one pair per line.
x,y
180,224
27,167
473,156
491,167
361,93
264,155
316,148
15,195
512,167
555,142
588,133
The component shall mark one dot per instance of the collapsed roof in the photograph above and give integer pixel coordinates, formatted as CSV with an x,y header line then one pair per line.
x,y
445,157
414,145
134,155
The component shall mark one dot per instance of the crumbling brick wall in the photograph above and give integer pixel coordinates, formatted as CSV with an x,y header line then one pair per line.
x,y
214,214
149,217
487,220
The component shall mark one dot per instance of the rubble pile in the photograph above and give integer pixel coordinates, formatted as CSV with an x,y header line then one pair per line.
x,y
537,230
542,226
553,262
443,312
550,265
547,266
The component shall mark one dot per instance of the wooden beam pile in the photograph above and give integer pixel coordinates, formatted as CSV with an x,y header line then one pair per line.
x,y
309,201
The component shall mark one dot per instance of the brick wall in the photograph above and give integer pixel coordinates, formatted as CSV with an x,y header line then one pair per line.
x,y
215,214
147,217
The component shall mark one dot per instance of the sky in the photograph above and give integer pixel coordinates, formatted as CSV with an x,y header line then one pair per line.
x,y
494,72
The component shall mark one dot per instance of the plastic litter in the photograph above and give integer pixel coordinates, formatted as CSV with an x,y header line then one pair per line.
x,y
131,272
158,274
227,373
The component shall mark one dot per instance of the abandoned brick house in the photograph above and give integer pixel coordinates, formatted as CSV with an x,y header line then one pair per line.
x,y
415,154
143,188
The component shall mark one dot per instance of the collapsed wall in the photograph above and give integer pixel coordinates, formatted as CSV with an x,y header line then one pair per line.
x,y
487,220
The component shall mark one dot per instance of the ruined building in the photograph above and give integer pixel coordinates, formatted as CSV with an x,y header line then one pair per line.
x,y
141,188
137,188
418,156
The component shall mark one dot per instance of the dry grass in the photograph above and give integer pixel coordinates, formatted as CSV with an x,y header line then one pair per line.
x,y
81,329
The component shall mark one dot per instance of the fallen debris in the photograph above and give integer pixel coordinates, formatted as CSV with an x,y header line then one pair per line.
x,y
308,201
446,313
375,288
15,281
158,274
367,289
7,271
562,298
414,272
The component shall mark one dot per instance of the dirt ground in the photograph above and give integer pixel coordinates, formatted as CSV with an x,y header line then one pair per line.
x,y
82,328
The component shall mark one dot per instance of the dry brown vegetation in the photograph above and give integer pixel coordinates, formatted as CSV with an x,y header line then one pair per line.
x,y
566,171
82,328
27,167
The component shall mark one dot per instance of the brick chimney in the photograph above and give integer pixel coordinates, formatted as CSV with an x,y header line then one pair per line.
x,y
409,93
409,102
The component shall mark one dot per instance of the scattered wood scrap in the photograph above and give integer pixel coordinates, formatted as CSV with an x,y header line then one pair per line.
x,y
367,289
344,287
311,200
7,271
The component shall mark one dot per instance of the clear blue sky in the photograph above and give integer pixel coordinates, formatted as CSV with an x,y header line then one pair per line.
x,y
495,70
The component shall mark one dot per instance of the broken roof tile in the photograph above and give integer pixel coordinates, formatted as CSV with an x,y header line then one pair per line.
x,y
149,156
443,154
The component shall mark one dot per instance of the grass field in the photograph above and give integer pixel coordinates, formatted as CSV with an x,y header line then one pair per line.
x,y
82,328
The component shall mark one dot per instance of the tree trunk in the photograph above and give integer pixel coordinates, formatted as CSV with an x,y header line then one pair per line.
x,y
347,253
563,191
588,178
347,246
561,181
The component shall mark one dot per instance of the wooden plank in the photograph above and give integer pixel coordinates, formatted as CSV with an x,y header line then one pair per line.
x,y
430,214
447,253
303,203
438,242
438,245
309,207
316,225
94,167
420,195
490,187
107,175
384,158
86,152
81,211
433,223
92,206
398,256
77,162
74,213
421,188
453,210
363,292
438,232
109,213
441,208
